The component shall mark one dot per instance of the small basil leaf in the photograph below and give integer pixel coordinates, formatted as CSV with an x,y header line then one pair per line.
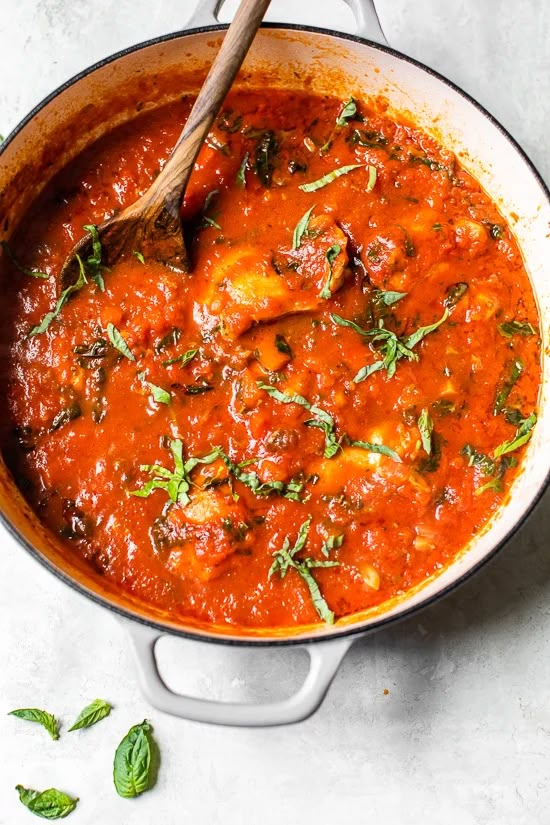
x,y
301,228
329,177
118,342
132,765
91,714
47,720
49,804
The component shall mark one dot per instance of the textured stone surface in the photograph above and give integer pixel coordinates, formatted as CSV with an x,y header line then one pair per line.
x,y
463,737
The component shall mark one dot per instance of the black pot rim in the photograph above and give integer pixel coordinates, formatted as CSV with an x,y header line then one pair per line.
x,y
352,630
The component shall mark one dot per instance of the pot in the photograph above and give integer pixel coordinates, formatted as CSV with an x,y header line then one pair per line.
x,y
159,70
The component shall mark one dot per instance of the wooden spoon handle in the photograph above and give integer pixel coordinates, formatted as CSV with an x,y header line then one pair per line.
x,y
166,193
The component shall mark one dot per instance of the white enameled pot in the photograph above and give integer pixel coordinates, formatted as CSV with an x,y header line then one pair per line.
x,y
286,57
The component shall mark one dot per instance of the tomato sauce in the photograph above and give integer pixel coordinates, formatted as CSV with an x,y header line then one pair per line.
x,y
320,414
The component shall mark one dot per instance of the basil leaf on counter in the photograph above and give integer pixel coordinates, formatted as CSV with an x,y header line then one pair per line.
x,y
50,804
61,301
331,255
132,772
91,714
300,228
329,177
119,343
47,720
426,426
32,273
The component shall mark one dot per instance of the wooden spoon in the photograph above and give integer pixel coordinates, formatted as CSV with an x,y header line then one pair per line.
x,y
152,225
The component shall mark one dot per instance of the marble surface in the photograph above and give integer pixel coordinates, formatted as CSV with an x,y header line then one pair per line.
x,y
463,736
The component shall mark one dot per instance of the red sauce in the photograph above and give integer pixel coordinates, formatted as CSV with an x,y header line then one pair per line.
x,y
86,424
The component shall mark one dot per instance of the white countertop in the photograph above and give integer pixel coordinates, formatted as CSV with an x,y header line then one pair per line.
x,y
463,737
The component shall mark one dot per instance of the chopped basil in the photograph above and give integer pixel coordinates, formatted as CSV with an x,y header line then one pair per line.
x,y
443,407
300,228
160,395
426,161
170,339
266,149
197,389
285,559
506,385
98,349
176,483
376,448
430,463
454,293
426,426
523,435
510,328
139,256
332,543
477,459
93,261
209,221
387,299
372,140
282,345
229,122
496,231
182,360
132,769
290,490
322,419
32,273
331,255
372,178
241,174
61,301
69,413
49,804
119,343
388,344
91,714
47,720
329,177
494,484
347,113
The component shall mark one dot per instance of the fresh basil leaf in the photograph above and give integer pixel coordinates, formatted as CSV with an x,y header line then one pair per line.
x,y
523,435
241,174
31,273
387,299
494,484
132,765
425,426
371,183
182,360
300,228
177,483
282,345
50,804
160,395
349,110
61,301
377,448
93,261
477,459
454,293
119,343
510,328
139,256
412,340
91,714
47,720
507,384
290,489
329,177
332,543
331,255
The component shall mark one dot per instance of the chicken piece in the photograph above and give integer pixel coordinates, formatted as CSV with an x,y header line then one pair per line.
x,y
244,287
206,533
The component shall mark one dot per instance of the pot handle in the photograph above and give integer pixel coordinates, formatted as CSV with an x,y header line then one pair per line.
x,y
366,16
324,661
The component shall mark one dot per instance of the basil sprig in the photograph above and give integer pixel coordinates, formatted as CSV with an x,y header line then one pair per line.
x,y
49,804
91,714
42,717
177,482
284,559
132,768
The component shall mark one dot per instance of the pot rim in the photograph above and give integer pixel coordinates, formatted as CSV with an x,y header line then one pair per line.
x,y
350,630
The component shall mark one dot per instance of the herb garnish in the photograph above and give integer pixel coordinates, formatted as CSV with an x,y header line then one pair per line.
x,y
331,255
510,328
160,395
454,293
387,299
290,489
507,384
32,273
176,483
132,769
197,389
119,343
61,301
240,178
93,261
372,177
47,720
64,416
282,345
285,559
266,149
329,177
91,714
182,360
139,256
348,112
388,344
372,140
522,436
374,448
301,228
426,426
49,804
